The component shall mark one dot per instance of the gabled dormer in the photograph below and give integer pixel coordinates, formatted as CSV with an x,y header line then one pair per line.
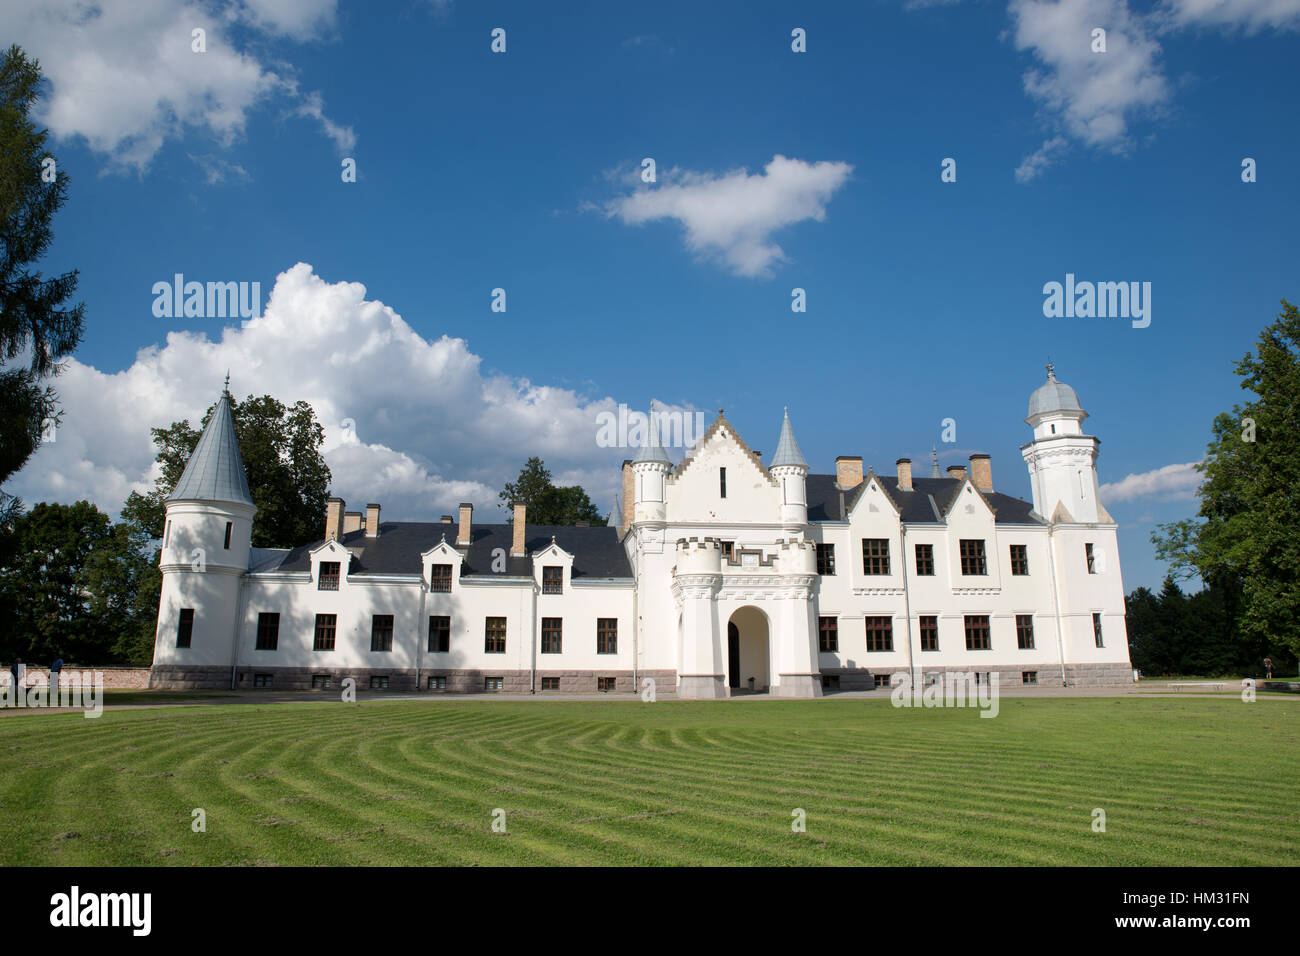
x,y
330,563
440,567
552,570
873,499
972,557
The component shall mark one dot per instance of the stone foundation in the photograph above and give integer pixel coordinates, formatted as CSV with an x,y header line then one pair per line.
x,y
703,686
798,685
189,677
1049,675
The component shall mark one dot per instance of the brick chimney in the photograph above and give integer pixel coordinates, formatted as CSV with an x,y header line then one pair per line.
x,y
446,519
904,474
351,521
372,521
334,518
981,472
848,471
956,471
518,528
466,517
629,495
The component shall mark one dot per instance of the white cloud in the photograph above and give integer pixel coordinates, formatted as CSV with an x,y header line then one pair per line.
x,y
731,217
429,428
123,75
1170,483
1251,16
1037,162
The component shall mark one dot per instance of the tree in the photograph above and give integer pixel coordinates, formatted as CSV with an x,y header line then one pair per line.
x,y
287,475
33,321
1244,546
548,504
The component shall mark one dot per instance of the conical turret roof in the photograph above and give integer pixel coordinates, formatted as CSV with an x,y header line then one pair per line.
x,y
215,472
652,451
787,449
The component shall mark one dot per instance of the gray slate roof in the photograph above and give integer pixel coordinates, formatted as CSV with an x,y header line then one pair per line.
x,y
652,450
597,552
215,472
925,504
787,449
1053,396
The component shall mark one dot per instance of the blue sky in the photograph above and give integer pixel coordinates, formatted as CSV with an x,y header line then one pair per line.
x,y
518,170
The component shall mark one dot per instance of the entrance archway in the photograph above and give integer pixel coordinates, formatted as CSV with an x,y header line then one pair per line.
x,y
748,650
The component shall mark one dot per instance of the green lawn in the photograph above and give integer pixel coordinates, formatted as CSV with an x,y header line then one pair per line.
x,y
1193,781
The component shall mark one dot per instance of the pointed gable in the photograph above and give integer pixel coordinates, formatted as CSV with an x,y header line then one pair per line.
x,y
723,430
215,472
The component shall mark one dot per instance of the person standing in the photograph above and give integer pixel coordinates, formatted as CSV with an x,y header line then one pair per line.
x,y
54,680
1268,667
16,670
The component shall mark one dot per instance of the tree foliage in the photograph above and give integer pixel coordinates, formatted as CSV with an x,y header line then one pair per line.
x,y
548,504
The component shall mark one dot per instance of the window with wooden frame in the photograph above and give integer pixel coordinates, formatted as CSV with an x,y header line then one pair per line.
x,y
1091,558
493,683
929,632
328,579
1025,631
552,580
1096,629
185,627
977,633
268,631
875,555
728,550
606,684
1020,559
825,558
381,632
606,635
828,634
880,633
972,556
494,635
552,635
440,577
439,633
326,624
925,560
550,683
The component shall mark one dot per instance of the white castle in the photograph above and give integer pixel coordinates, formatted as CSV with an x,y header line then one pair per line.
x,y
724,576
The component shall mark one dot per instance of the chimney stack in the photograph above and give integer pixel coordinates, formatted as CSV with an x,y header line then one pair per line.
x,y
848,471
372,521
956,471
446,519
466,514
981,472
904,474
334,518
629,495
351,521
518,527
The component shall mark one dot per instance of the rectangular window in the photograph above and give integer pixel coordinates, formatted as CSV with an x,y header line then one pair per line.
x,y
381,632
722,482
929,632
875,555
261,680
437,683
329,576
728,550
606,684
1096,629
925,560
828,634
1019,559
320,681
492,683
185,627
1029,677
440,577
325,627
1092,561
439,634
378,683
229,525
972,556
977,633
552,580
268,631
1025,631
550,683
606,635
552,635
167,535
494,630
825,558
880,681
880,633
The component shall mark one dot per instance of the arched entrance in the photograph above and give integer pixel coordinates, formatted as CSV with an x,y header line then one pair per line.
x,y
748,651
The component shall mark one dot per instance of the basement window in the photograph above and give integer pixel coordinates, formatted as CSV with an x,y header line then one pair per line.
x,y
378,683
1029,677
830,682
320,681
550,683
261,680
492,683
605,684
437,683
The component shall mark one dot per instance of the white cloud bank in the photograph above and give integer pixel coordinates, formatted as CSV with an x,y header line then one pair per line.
x,y
730,217
123,74
1170,483
428,428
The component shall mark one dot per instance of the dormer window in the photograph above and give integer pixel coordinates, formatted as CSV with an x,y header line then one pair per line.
x,y
328,579
972,556
552,580
440,577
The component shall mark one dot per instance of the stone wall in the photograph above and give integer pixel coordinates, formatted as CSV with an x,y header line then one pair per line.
x,y
115,678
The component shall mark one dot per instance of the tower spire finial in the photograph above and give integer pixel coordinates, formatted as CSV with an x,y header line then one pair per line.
x,y
226,388
1051,370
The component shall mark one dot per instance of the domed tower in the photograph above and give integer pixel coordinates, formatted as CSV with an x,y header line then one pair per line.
x,y
205,551
1062,460
791,471
651,466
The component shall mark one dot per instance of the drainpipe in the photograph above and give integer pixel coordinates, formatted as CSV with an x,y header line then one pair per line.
x,y
536,630
421,620
907,607
638,624
240,607
1056,602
